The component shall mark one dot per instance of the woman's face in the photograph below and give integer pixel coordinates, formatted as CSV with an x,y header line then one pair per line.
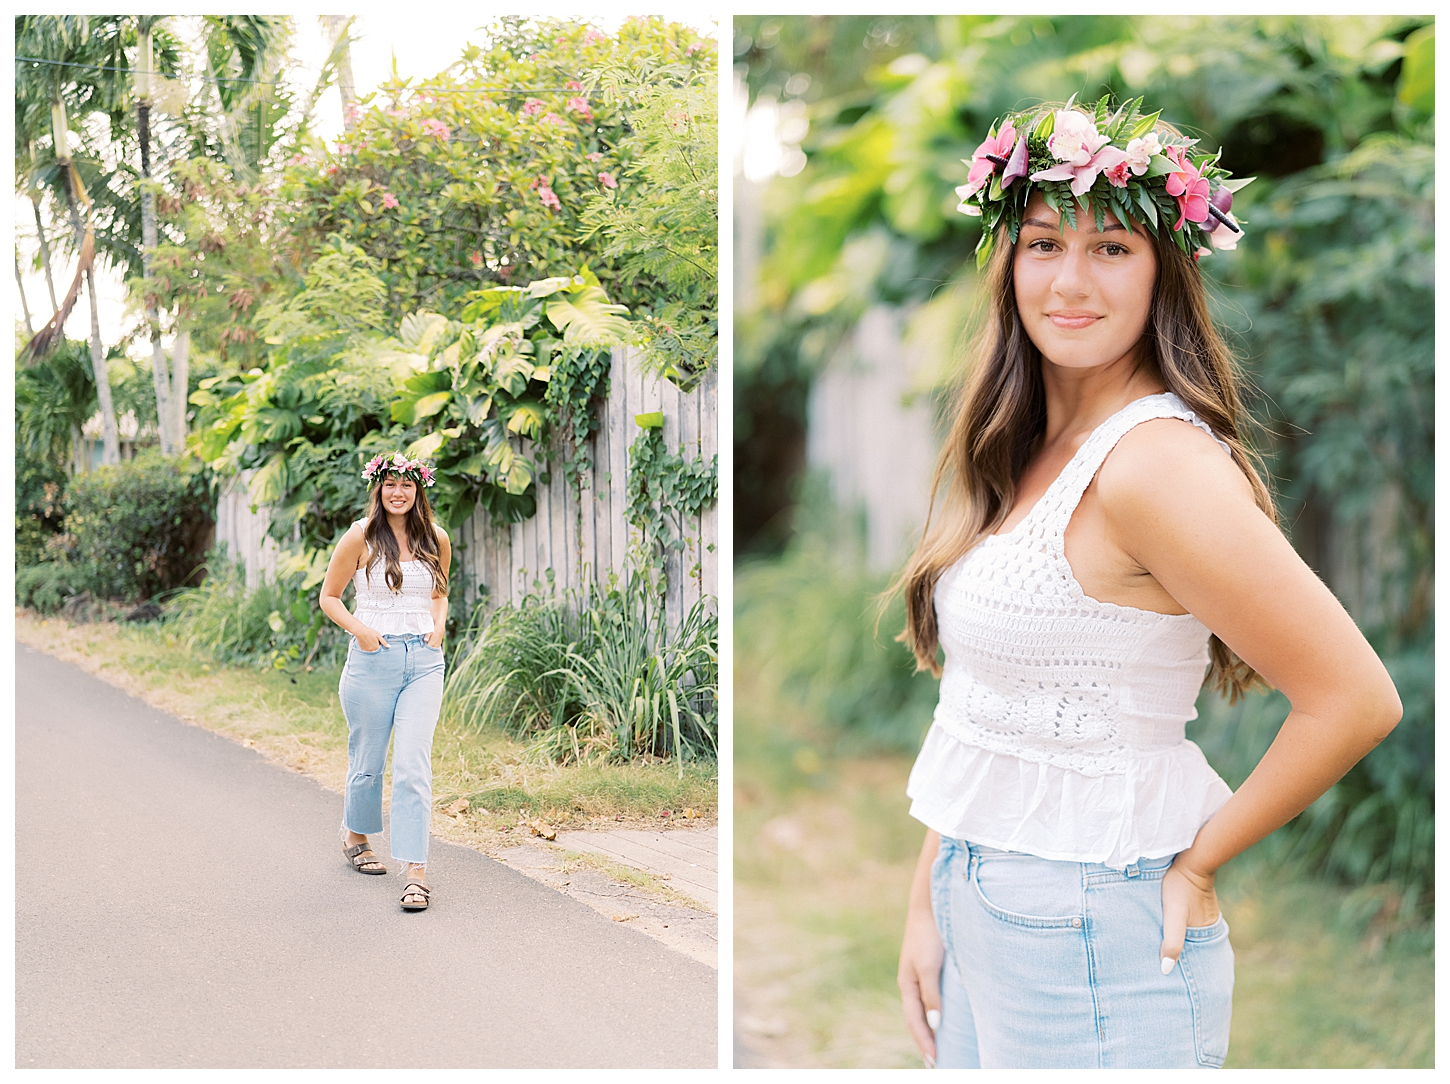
x,y
398,494
1083,296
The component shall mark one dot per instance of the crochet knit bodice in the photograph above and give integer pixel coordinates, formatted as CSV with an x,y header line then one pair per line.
x,y
385,611
1060,725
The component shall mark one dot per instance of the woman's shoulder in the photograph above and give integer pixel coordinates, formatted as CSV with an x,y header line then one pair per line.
x,y
441,532
1168,461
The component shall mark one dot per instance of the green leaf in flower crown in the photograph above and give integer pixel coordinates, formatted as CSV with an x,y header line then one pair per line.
x,y
1044,126
1144,126
1159,166
587,318
1238,182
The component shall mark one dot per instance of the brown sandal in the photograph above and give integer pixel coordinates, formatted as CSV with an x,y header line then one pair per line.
x,y
362,859
415,896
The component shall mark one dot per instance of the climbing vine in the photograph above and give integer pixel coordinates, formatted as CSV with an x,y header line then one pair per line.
x,y
664,490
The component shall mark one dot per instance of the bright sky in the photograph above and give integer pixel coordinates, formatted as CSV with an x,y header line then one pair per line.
x,y
421,48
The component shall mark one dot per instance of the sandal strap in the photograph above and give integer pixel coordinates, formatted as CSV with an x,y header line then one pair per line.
x,y
416,889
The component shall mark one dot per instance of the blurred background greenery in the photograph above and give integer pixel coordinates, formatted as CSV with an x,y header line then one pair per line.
x,y
845,213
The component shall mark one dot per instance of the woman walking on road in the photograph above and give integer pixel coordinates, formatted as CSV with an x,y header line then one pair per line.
x,y
1106,540
392,684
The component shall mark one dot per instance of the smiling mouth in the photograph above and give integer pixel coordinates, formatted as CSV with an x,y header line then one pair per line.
x,y
1073,320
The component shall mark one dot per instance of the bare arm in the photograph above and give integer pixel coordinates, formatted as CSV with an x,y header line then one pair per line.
x,y
1180,509
440,601
345,560
919,972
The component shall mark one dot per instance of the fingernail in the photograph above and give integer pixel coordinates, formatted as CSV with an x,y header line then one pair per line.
x,y
933,1019
930,1063
1168,963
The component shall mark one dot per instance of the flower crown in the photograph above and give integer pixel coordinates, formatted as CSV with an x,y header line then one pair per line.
x,y
1116,164
399,464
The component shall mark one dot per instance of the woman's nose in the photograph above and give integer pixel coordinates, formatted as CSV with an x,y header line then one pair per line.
x,y
1071,279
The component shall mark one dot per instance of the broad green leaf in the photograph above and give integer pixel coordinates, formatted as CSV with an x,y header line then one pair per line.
x,y
420,329
1144,126
653,420
1238,182
1159,166
429,405
519,476
1417,76
588,319
425,447
527,419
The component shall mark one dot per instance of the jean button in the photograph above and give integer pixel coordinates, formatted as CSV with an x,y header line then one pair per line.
x,y
1077,924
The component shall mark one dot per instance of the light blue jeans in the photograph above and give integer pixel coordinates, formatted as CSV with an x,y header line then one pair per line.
x,y
393,692
1056,965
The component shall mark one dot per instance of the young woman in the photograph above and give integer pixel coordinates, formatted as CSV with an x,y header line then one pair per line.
x,y
392,684
1105,538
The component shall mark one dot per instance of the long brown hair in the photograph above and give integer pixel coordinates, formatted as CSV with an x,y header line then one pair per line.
x,y
1001,416
383,544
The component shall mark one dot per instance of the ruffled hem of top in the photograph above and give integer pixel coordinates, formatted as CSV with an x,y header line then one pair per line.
x,y
396,624
1152,810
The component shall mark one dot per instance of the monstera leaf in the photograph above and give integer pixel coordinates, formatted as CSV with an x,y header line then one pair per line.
x,y
587,318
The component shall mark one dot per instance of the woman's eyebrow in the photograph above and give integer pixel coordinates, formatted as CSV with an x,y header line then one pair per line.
x,y
1108,227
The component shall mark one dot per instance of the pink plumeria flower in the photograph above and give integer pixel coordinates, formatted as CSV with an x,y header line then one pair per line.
x,y
389,200
532,107
437,128
573,84
580,106
999,145
594,156
552,118
549,199
1188,186
594,37
608,181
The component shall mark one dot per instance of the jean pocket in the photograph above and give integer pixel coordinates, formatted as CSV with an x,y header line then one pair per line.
x,y
1028,891
1208,968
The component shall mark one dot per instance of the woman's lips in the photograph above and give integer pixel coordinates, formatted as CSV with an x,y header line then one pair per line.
x,y
1073,320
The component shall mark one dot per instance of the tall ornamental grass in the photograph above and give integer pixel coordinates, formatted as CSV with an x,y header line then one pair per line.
x,y
595,677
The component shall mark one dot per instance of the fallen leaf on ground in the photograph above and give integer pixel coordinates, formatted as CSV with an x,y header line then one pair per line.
x,y
457,808
624,918
539,828
690,814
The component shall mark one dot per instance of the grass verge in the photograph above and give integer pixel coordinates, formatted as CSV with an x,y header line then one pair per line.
x,y
296,719
824,854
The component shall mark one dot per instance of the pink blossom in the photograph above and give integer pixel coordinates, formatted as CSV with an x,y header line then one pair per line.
x,y
594,156
1119,174
476,258
436,128
1075,139
1141,152
389,200
331,169
552,118
1188,186
343,148
548,198
534,58
1082,177
573,84
999,145
608,181
532,106
580,106
695,45
594,37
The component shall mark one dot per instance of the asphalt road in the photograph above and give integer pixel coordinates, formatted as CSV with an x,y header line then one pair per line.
x,y
182,902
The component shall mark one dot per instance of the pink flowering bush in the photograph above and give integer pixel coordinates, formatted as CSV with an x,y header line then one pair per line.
x,y
436,128
608,181
580,106
389,200
532,107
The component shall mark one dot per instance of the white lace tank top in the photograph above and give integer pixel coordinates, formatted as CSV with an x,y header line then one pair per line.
x,y
409,610
1059,730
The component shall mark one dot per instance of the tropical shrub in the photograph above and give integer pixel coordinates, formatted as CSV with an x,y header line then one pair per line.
x,y
139,528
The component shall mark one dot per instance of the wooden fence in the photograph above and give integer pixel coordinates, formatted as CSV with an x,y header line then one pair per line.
x,y
582,534
577,534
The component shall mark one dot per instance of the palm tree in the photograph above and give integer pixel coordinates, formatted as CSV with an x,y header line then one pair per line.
x,y
67,39
144,69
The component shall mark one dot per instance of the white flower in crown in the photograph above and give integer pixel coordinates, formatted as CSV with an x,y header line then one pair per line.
x,y
1074,138
1141,150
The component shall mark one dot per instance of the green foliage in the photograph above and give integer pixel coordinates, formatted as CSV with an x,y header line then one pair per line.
x,y
597,677
47,586
661,223
664,490
136,529
479,175
275,625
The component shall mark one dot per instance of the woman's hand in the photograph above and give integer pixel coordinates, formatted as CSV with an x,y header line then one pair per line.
x,y
435,638
919,973
370,641
1188,900
919,977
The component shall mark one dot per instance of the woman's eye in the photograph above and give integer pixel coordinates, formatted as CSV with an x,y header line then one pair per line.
x,y
1114,249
